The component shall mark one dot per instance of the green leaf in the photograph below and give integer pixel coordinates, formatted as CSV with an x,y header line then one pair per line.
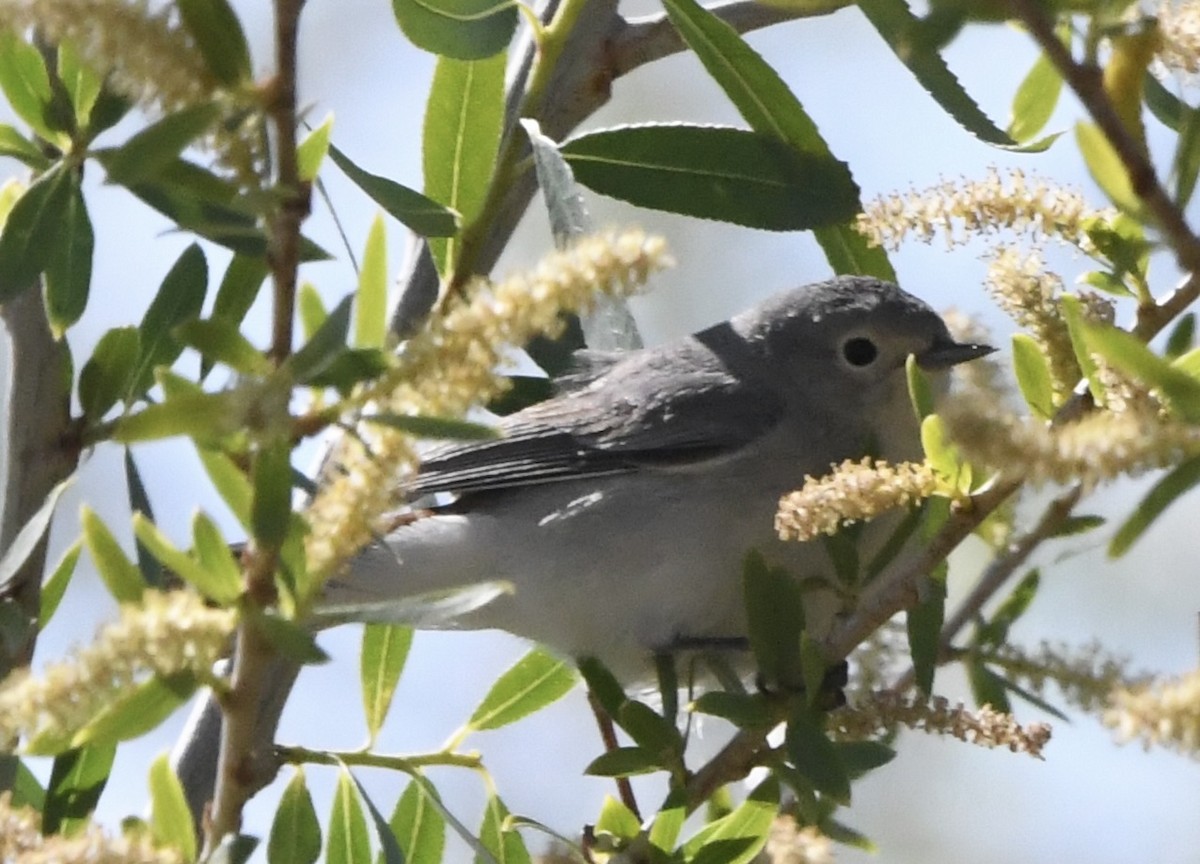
x,y
384,652
1129,354
215,29
292,641
407,206
995,631
535,681
463,119
1180,480
40,213
1106,167
83,86
139,502
26,83
430,609
16,145
715,172
650,731
222,584
180,298
137,712
230,482
120,575
924,627
311,152
239,287
391,851
775,618
157,147
271,509
504,844
107,373
204,417
76,781
435,427
370,304
1179,342
56,583
668,822
625,762
1035,100
769,106
739,836
69,266
617,820
920,390
1033,375
862,757
987,688
296,831
418,825
220,341
1162,103
29,537
27,791
814,755
1076,525
897,25
323,347
741,709
170,819
348,841
463,29
216,557
1186,164
602,685
311,310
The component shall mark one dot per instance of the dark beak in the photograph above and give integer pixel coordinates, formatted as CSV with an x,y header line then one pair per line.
x,y
944,354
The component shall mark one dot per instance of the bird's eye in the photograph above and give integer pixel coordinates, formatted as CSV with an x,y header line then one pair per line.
x,y
859,351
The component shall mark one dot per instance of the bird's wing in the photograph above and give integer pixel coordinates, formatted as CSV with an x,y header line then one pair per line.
x,y
676,419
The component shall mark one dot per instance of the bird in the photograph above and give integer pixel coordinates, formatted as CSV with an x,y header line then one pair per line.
x,y
621,509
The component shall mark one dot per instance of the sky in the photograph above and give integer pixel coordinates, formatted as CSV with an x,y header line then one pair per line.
x,y
940,800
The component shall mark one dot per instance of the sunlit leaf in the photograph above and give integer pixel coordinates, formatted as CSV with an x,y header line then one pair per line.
x,y
1181,479
409,207
120,575
158,146
170,819
76,781
56,583
535,681
214,27
1033,375
464,29
348,841
384,652
370,302
418,825
295,832
137,712
26,83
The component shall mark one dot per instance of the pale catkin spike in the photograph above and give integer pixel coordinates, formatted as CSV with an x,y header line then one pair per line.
x,y
21,842
884,711
1096,448
854,491
164,634
1164,713
451,366
1179,27
974,207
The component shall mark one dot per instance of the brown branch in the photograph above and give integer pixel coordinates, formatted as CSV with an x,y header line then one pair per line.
x,y
1088,83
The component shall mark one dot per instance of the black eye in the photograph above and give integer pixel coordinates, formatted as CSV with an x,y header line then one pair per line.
x,y
859,351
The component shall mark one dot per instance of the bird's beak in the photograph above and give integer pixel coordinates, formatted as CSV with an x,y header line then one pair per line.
x,y
944,354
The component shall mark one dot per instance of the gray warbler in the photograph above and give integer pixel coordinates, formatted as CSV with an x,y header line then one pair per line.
x,y
621,509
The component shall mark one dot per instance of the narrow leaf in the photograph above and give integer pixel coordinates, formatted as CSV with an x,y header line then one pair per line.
x,y
16,145
1182,479
311,152
107,374
435,427
69,265
1035,100
28,538
38,214
83,86
715,172
504,844
463,119
120,575
56,583
271,476
220,341
1033,375
76,780
158,146
814,755
214,27
1106,167
348,841
418,825
775,618
407,206
137,712
25,82
239,287
1130,355
370,303
170,818
230,482
924,627
384,652
617,820
392,853
214,583
320,350
739,836
296,831
535,681
180,298
625,762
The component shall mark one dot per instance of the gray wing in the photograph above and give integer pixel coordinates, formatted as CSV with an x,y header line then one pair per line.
x,y
643,413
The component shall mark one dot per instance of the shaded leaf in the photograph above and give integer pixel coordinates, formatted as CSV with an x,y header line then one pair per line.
x,y
180,298
271,477
158,146
39,213
987,688
83,86
814,755
407,206
715,172
295,832
625,762
464,29
392,853
924,627
292,641
463,119
533,682
120,575
16,145
220,341
1180,480
239,287
215,29
775,618
69,266
1179,341
26,83
315,356
862,757
76,780
435,427
1033,375
29,537
741,709
139,502
107,374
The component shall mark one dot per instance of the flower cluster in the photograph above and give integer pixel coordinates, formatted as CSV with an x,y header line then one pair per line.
x,y
452,365
21,842
882,712
854,491
1166,713
165,634
971,208
1179,27
1097,447
789,843
1083,676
